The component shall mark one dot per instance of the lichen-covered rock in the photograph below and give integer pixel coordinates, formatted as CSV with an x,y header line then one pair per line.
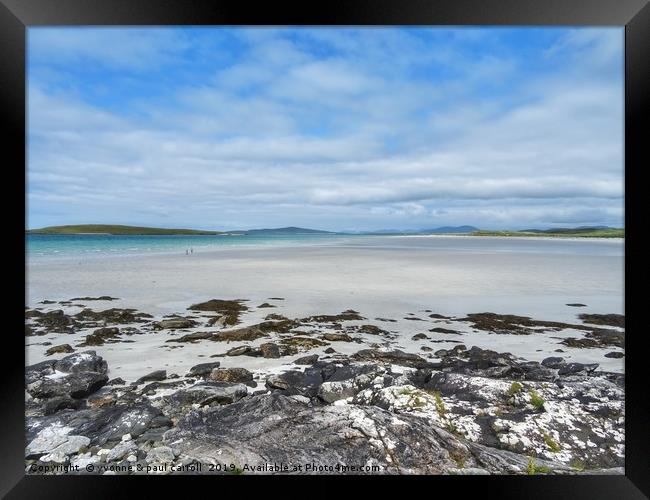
x,y
242,350
112,316
203,394
120,450
230,310
101,336
332,439
160,454
581,421
55,439
54,321
304,343
336,337
349,315
99,425
348,380
193,337
232,375
273,350
472,411
175,324
372,329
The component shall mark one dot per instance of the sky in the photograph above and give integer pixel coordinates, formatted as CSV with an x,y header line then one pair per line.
x,y
347,129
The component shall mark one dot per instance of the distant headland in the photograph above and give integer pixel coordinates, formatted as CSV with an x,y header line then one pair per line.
x,y
156,231
108,229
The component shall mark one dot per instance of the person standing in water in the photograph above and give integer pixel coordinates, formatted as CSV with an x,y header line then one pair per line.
x,y
191,250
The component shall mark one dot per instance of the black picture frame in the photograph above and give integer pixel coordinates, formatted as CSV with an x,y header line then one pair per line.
x,y
17,15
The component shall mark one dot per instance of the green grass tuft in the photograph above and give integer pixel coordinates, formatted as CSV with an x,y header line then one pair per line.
x,y
577,464
532,468
536,400
515,388
551,443
440,405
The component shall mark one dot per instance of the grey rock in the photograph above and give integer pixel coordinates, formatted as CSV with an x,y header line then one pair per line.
x,y
39,370
73,385
153,376
87,361
306,360
56,439
573,368
248,432
160,454
55,404
121,450
471,471
279,428
204,394
296,382
58,349
553,362
395,357
101,425
203,369
239,351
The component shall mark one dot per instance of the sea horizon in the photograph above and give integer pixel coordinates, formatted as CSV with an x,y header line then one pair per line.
x,y
62,246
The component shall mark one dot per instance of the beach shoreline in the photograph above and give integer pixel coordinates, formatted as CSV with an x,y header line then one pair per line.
x,y
511,315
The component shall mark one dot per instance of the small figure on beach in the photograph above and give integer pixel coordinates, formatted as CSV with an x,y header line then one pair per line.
x,y
191,250
187,252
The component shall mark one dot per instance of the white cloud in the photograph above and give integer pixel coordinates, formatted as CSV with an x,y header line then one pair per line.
x,y
286,136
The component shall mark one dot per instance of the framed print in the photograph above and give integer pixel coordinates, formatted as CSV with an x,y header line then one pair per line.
x,y
386,240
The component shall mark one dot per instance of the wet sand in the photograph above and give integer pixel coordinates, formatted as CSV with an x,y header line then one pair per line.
x,y
380,277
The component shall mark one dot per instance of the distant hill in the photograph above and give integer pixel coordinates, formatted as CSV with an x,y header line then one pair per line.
x,y
559,230
136,230
115,229
284,230
576,232
437,230
449,230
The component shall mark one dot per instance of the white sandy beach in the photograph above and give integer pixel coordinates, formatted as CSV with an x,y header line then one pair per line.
x,y
379,277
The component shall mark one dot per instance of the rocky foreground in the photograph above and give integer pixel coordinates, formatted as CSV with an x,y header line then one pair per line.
x,y
379,410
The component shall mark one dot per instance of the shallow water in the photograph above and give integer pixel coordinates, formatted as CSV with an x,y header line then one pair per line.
x,y
101,245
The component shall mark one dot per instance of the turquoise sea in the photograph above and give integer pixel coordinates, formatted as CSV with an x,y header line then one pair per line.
x,y
87,245
59,246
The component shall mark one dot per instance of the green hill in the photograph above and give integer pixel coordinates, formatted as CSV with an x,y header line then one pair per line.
x,y
114,229
581,232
